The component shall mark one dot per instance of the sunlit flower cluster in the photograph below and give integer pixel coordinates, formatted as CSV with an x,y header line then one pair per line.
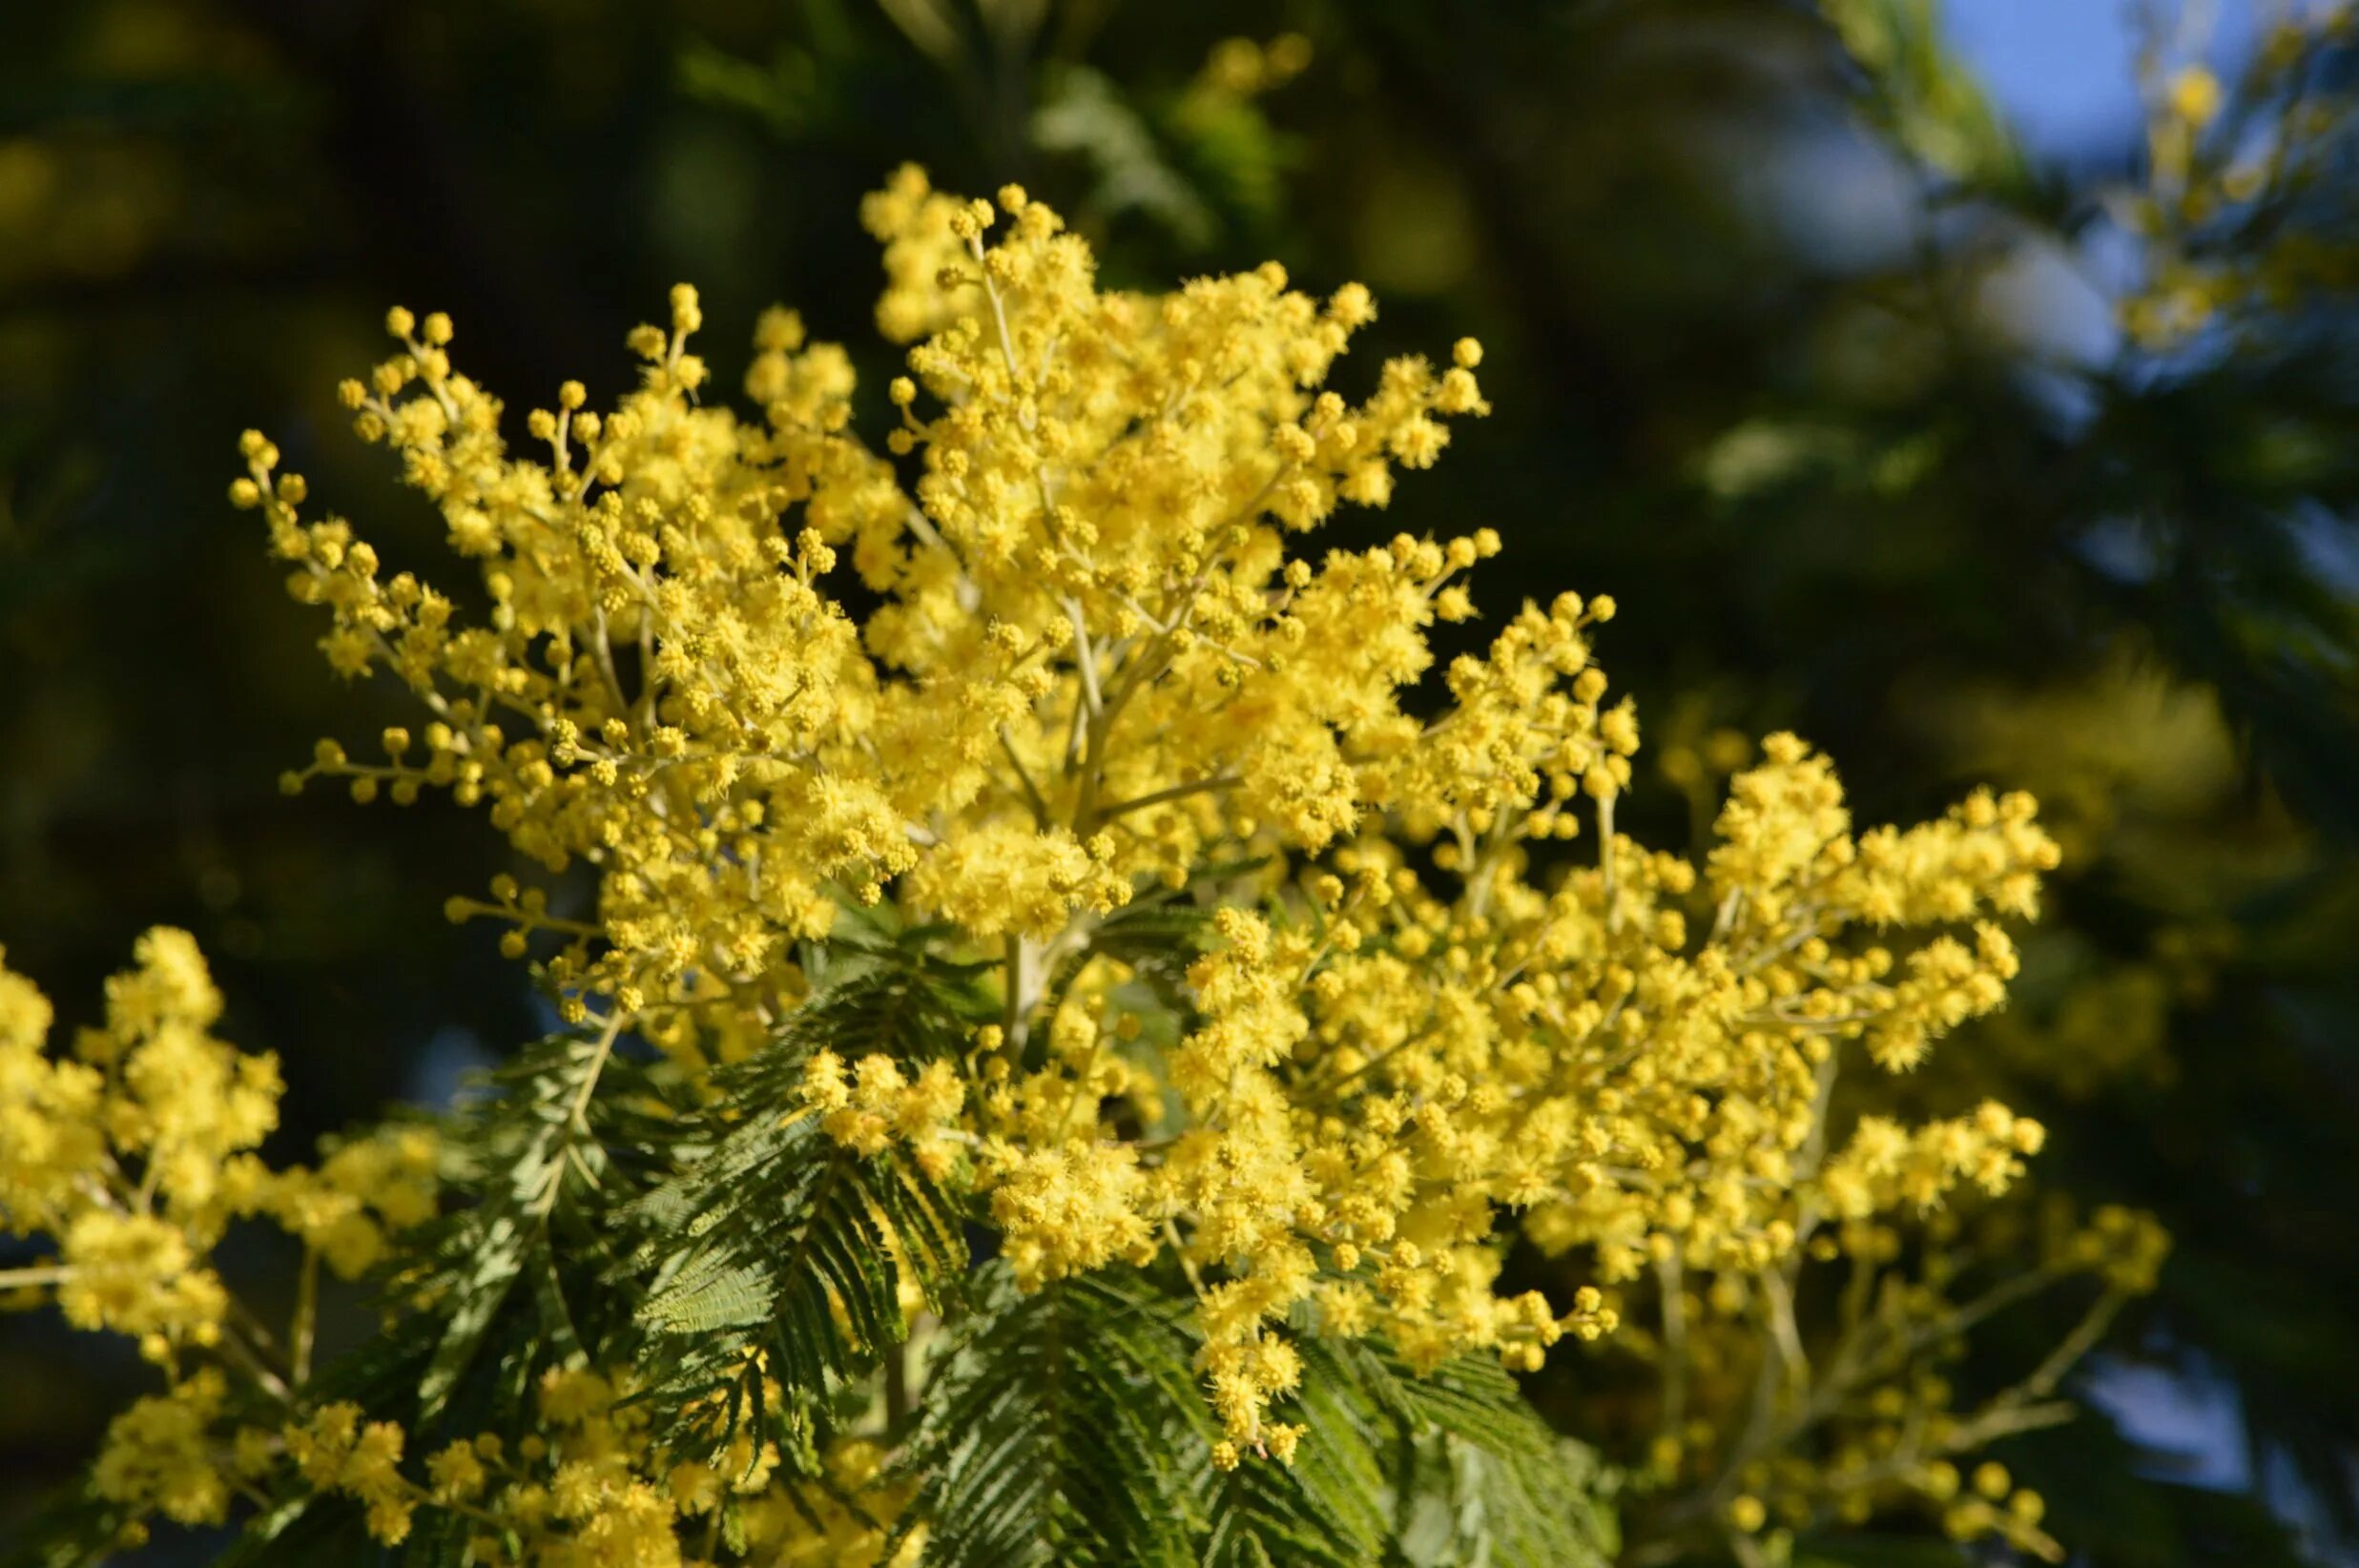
x,y
1431,997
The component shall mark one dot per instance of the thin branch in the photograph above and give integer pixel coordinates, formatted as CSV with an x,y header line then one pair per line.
x,y
1024,776
307,1317
1668,1275
1177,792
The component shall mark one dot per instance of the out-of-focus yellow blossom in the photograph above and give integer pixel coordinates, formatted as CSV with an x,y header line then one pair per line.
x,y
135,1151
133,1154
589,1490
1884,1165
136,1274
844,1520
2225,163
1242,67
160,1454
1862,1420
365,1189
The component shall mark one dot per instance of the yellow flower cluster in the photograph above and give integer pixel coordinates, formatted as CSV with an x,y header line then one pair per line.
x,y
1094,670
1886,1165
135,1151
161,1454
588,1489
364,1192
1089,624
877,1104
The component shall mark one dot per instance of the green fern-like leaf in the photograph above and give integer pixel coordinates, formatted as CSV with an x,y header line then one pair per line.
x,y
709,1293
1504,1490
1333,1507
1447,1467
1060,1431
538,1142
773,1240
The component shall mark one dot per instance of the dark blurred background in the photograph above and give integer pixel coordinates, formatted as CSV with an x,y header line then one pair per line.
x,y
1806,336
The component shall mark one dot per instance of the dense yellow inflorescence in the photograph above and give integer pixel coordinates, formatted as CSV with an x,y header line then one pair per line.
x,y
1098,669
1096,664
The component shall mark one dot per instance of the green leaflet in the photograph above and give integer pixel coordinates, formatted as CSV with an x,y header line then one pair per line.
x,y
1446,1468
1062,1428
1490,1483
1069,1427
774,1240
538,1141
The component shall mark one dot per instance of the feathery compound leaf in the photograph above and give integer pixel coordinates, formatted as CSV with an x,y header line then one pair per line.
x,y
1332,1506
774,1241
527,1141
1488,1482
709,1293
1444,1468
1059,1431
302,1531
1466,1505
1469,1397
75,1530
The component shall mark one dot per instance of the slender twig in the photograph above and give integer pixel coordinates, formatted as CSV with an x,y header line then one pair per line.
x,y
1668,1275
2078,1343
579,1117
1605,861
1177,792
1019,990
896,1405
1031,791
246,1357
307,1317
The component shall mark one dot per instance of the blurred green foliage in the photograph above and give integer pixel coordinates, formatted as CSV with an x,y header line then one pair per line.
x,y
1794,349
